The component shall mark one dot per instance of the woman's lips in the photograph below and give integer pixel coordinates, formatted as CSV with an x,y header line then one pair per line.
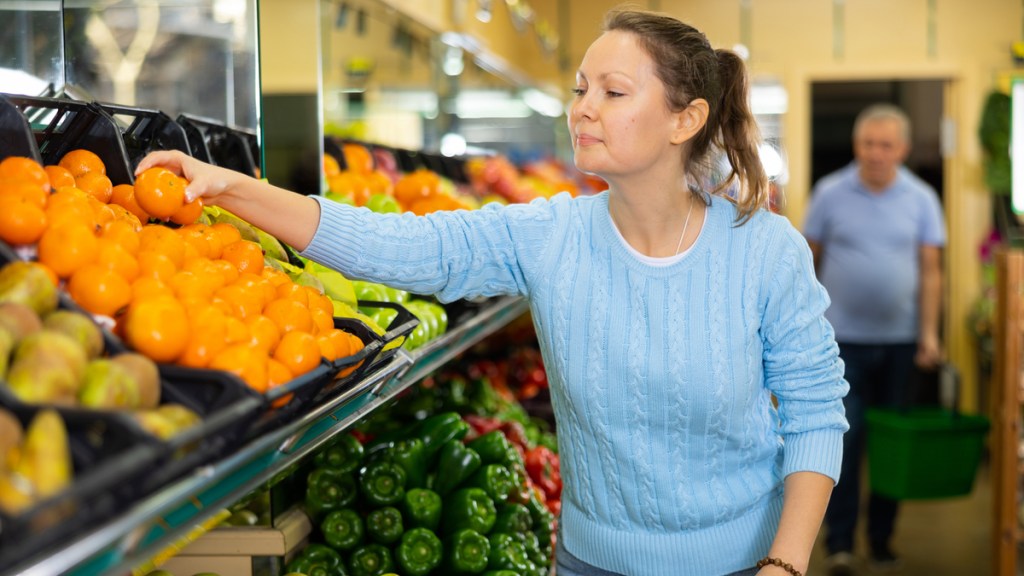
x,y
586,140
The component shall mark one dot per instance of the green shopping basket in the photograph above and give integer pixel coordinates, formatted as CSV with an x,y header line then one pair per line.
x,y
925,453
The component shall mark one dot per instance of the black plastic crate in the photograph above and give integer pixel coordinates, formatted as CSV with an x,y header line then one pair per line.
x,y
61,125
284,403
110,460
16,137
217,143
144,131
401,326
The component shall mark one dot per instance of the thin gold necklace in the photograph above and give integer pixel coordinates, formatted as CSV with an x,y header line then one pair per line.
x,y
686,224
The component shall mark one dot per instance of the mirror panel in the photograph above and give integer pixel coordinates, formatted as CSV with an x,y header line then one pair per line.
x,y
392,81
31,46
185,56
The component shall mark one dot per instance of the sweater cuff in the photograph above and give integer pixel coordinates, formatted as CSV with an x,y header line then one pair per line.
x,y
819,451
335,220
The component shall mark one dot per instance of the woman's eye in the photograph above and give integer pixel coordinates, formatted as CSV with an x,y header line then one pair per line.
x,y
614,94
579,91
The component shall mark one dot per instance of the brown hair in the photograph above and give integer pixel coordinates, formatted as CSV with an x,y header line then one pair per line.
x,y
690,68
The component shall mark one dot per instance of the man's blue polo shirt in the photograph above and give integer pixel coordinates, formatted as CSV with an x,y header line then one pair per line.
x,y
870,245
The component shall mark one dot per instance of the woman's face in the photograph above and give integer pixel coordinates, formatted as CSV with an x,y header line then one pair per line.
x,y
619,120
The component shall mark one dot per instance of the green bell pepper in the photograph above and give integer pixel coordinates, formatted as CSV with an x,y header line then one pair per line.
x,y
419,552
543,519
384,525
492,447
382,483
501,573
343,529
421,508
318,560
437,430
507,554
466,552
531,543
455,464
411,455
468,508
495,479
328,490
513,518
344,453
371,560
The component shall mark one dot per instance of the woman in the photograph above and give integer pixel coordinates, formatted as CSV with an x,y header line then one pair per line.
x,y
668,316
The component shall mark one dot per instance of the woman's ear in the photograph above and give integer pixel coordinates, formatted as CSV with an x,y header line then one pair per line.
x,y
690,121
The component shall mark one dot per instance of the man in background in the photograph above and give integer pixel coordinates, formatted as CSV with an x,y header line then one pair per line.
x,y
876,232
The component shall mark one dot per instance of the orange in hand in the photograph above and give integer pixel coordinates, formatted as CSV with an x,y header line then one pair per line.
x,y
160,192
124,195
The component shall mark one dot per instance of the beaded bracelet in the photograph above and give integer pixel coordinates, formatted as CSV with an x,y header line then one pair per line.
x,y
768,560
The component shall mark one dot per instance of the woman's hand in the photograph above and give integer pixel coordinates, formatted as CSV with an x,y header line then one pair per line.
x,y
205,180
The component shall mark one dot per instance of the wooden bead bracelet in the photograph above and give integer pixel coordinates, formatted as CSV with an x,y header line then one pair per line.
x,y
768,560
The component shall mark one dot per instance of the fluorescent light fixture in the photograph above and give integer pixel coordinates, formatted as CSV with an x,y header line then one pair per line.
x,y
20,82
453,144
542,103
774,165
490,104
1017,146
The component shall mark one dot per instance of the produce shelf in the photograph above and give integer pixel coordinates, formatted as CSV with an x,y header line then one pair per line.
x,y
163,518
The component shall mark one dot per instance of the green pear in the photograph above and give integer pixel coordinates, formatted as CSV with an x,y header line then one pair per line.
x,y
51,343
155,423
27,283
248,231
182,416
15,494
11,434
370,291
43,379
336,286
271,246
306,279
146,375
108,384
79,327
19,318
7,344
383,204
45,454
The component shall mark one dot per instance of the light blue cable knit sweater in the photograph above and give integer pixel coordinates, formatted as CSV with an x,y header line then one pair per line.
x,y
661,377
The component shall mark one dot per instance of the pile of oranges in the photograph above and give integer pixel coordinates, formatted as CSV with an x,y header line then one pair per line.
x,y
419,192
197,295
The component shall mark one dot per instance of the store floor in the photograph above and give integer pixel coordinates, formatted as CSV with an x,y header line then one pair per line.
x,y
936,538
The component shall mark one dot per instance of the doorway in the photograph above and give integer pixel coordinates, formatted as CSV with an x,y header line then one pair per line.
x,y
834,108
835,105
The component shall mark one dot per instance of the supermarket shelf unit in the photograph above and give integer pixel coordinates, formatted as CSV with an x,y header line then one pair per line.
x,y
1007,399
184,507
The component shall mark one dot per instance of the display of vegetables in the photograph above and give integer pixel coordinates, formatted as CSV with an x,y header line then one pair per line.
x,y
431,497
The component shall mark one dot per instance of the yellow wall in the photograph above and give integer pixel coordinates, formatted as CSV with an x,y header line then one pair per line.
x,y
289,46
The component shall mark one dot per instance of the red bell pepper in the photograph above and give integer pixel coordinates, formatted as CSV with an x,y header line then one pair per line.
x,y
543,467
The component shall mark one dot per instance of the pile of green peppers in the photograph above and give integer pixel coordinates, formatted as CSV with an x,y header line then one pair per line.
x,y
423,501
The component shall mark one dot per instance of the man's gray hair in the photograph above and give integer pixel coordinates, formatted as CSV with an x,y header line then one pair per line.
x,y
880,112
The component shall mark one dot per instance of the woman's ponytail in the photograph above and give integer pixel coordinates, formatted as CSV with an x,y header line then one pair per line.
x,y
739,135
